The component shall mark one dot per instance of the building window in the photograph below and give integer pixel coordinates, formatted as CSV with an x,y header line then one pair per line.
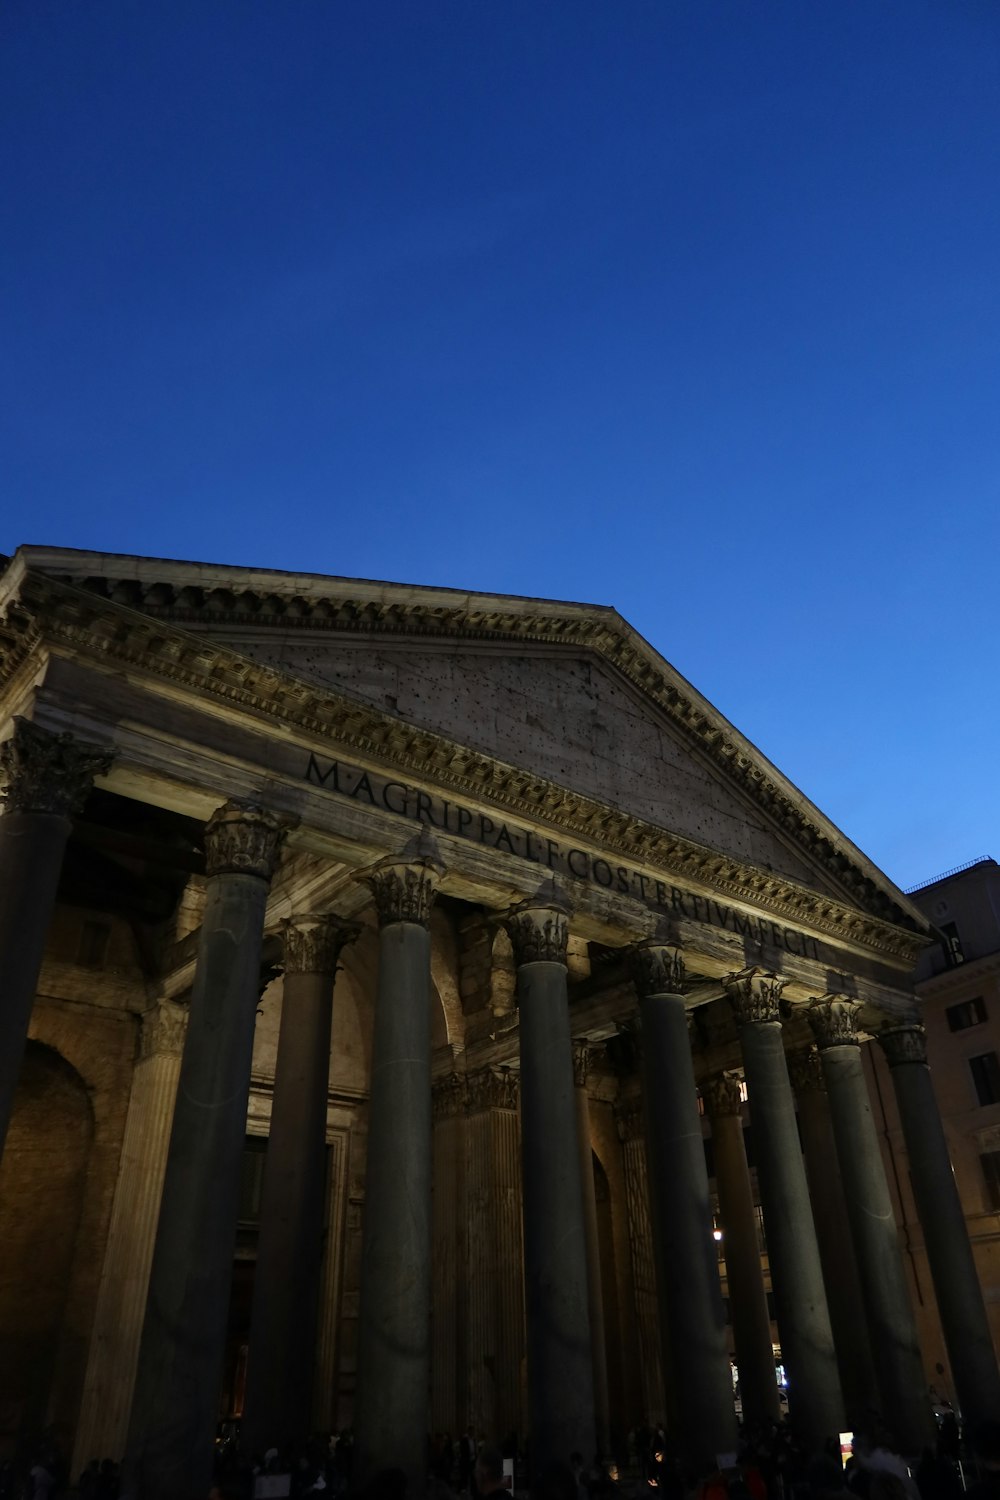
x,y
986,1076
968,1013
990,1163
952,943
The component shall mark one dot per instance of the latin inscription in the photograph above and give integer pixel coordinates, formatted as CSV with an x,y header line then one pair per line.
x,y
494,833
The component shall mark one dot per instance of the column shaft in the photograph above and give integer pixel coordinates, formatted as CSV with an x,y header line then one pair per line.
x,y
840,1266
393,1395
687,1269
631,1127
744,1273
595,1298
289,1252
796,1272
953,1268
891,1325
172,1430
560,1374
48,777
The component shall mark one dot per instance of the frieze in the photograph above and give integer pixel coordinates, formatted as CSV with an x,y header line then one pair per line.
x,y
48,773
403,891
538,934
605,634
723,1095
657,969
805,1070
754,994
242,838
834,1021
904,1044
63,612
313,944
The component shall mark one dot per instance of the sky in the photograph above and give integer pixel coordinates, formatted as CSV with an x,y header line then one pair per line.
x,y
691,307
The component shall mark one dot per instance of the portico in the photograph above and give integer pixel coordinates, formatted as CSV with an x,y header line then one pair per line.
x,y
497,880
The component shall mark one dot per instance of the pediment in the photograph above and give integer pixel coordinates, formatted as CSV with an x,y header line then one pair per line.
x,y
566,692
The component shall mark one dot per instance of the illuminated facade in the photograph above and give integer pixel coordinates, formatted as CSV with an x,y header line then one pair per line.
x,y
457,901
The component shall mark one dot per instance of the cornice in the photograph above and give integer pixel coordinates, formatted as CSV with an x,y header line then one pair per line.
x,y
46,612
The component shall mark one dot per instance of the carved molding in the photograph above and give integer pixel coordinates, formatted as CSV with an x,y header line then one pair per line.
x,y
242,838
404,890
64,612
491,1088
722,1095
630,1119
584,1054
538,934
806,1071
313,944
657,969
834,1021
449,1097
904,1044
754,994
163,1030
49,773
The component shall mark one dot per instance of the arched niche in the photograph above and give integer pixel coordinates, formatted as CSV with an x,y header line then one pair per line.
x,y
43,1179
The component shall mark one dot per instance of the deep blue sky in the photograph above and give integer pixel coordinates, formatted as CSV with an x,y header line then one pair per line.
x,y
691,307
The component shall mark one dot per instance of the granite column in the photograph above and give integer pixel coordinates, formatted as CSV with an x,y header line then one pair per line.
x,y
595,1295
560,1376
953,1268
393,1398
687,1270
744,1273
833,1233
172,1429
289,1251
48,779
891,1325
796,1271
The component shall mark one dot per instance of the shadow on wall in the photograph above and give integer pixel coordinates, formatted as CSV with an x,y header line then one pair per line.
x,y
43,1179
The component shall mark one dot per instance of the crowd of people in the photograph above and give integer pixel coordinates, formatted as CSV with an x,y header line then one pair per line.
x,y
770,1464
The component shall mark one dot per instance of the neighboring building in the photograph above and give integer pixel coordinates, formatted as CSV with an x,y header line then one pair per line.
x,y
958,990
552,893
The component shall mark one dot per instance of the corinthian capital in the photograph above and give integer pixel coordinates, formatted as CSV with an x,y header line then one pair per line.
x,y
583,1056
539,930
49,773
834,1021
806,1071
163,1030
313,944
242,838
449,1097
657,969
404,890
904,1044
723,1095
754,994
491,1089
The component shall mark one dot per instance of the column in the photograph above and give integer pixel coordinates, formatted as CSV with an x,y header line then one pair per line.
x,y
121,1297
282,1353
632,1133
493,1271
560,1380
796,1271
48,779
840,1266
687,1269
595,1296
172,1428
395,1307
891,1325
952,1263
744,1273
448,1227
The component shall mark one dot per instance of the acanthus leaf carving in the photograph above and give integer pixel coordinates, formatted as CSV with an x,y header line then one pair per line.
x,y
243,838
404,890
833,1020
754,994
313,944
723,1095
49,773
657,969
904,1044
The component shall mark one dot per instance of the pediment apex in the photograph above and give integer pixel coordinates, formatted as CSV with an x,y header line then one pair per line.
x,y
213,600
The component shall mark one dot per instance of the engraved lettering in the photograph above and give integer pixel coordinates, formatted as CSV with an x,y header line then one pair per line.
x,y
395,786
583,874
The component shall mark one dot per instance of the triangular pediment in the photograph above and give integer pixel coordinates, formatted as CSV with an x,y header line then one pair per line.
x,y
567,692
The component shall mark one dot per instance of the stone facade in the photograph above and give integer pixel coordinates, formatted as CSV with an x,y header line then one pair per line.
x,y
510,805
